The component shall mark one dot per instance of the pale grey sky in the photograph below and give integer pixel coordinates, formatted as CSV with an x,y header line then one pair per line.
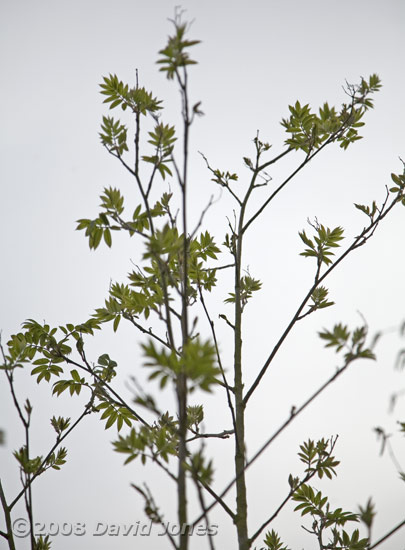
x,y
254,60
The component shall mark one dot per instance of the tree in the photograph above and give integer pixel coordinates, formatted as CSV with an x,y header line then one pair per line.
x,y
180,270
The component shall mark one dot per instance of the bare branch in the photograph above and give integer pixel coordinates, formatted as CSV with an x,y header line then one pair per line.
x,y
87,410
103,383
309,476
222,435
204,509
360,239
148,331
388,535
307,159
226,186
203,212
214,336
7,509
152,511
294,413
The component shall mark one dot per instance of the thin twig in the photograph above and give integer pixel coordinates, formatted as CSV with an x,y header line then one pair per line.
x,y
147,331
294,413
387,535
153,510
217,268
222,435
226,186
214,336
307,159
203,212
204,511
54,447
7,509
355,244
104,384
309,476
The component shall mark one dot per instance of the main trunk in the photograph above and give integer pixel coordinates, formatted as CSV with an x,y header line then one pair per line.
x,y
240,458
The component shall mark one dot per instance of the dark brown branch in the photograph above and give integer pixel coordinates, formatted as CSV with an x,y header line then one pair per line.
x,y
7,509
275,159
9,375
287,180
153,511
203,212
136,141
103,383
309,476
222,435
225,381
147,331
181,382
220,267
204,511
294,413
140,187
234,195
358,241
307,159
387,535
218,500
59,440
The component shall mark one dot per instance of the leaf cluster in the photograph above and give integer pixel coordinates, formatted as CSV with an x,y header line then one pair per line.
x,y
42,340
195,415
37,338
319,298
110,218
56,461
42,543
157,441
223,178
105,368
28,465
127,303
399,187
199,251
162,138
314,503
200,468
273,541
37,465
340,337
175,55
118,94
325,239
74,384
367,514
114,135
115,413
309,131
317,458
248,285
60,424
196,360
369,211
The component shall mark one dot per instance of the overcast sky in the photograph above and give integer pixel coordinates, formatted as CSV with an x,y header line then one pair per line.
x,y
255,59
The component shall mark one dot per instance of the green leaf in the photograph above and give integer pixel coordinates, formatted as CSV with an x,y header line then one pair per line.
x,y
273,541
75,375
368,513
175,54
107,237
116,323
